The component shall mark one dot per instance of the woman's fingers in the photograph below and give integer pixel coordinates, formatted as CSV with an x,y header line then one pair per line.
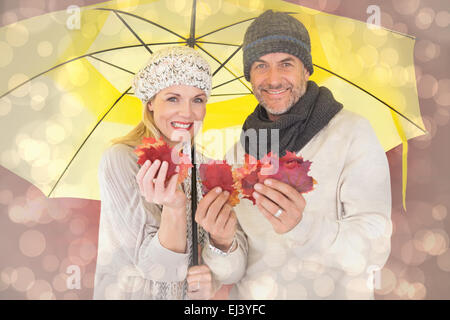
x,y
160,182
231,223
172,185
214,209
151,179
141,173
199,280
205,203
222,217
148,180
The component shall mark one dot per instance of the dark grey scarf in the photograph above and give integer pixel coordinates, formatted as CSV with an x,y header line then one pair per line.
x,y
296,127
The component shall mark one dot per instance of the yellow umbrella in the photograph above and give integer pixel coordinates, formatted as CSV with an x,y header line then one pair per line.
x,y
65,89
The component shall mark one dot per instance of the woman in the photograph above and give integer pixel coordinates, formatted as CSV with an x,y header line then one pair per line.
x,y
145,226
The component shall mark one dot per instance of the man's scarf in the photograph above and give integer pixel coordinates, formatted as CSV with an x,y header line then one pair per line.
x,y
296,127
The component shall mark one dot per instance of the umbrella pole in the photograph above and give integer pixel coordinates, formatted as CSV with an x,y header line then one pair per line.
x,y
194,208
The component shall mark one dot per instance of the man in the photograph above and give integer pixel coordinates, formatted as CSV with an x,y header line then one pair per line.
x,y
325,244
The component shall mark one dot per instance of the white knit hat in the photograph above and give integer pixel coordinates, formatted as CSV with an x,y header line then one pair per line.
x,y
177,65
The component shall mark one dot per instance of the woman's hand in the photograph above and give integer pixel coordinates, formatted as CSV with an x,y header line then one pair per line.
x,y
217,217
200,283
152,185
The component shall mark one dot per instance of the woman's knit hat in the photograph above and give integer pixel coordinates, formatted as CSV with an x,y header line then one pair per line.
x,y
276,32
177,65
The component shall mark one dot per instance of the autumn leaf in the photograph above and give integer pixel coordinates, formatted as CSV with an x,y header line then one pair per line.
x,y
289,169
219,174
292,170
247,176
153,149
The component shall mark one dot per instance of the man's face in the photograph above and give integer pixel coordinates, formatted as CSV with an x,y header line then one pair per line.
x,y
278,81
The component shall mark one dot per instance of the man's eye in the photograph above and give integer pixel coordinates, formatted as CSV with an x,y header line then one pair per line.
x,y
287,64
260,66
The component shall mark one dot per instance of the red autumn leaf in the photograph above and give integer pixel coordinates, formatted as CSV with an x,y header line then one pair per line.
x,y
289,169
292,170
219,174
153,149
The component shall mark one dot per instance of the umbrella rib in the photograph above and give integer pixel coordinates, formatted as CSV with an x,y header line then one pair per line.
x,y
225,62
80,57
224,67
400,33
134,33
226,82
143,19
112,64
81,146
220,43
40,74
225,27
231,25
372,95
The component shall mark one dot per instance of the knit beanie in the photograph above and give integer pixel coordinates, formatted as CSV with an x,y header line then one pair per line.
x,y
176,65
276,32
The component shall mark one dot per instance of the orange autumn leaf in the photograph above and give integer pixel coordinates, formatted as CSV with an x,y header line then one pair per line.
x,y
247,176
153,149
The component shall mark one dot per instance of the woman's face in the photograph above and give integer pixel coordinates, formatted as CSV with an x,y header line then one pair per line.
x,y
175,109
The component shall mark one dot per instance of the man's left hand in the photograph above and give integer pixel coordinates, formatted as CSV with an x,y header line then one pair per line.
x,y
280,203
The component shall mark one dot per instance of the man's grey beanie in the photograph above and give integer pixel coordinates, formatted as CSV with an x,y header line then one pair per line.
x,y
276,32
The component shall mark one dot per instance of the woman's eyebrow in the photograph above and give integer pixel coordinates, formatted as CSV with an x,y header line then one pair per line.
x,y
179,95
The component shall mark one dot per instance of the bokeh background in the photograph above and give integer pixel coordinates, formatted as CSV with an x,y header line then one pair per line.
x,y
40,238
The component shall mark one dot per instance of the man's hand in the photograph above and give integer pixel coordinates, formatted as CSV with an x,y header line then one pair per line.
x,y
275,195
217,217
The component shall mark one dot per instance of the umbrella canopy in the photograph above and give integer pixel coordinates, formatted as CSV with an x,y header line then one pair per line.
x,y
66,91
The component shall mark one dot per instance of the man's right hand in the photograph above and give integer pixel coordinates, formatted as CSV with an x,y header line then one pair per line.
x,y
217,217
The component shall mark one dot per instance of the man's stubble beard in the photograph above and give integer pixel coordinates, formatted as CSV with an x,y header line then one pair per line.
x,y
297,93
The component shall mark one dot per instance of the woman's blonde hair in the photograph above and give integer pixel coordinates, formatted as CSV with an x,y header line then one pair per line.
x,y
145,128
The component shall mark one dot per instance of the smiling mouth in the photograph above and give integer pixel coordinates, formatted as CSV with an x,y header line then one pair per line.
x,y
275,92
181,125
